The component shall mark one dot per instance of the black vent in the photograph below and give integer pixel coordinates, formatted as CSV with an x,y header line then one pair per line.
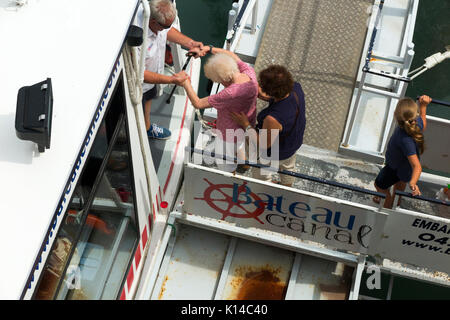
x,y
34,113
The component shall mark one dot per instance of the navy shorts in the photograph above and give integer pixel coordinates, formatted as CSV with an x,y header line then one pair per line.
x,y
149,95
386,178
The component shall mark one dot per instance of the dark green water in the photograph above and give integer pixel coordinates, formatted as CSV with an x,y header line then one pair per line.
x,y
205,21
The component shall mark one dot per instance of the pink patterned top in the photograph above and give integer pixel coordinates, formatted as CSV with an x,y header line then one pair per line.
x,y
236,98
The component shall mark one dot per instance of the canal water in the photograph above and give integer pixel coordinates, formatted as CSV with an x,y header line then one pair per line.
x,y
206,21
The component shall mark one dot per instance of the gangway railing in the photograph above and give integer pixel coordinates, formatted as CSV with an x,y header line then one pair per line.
x,y
237,18
395,61
314,179
286,172
440,102
237,23
431,200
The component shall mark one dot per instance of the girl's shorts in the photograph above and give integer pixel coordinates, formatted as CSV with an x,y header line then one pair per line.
x,y
386,178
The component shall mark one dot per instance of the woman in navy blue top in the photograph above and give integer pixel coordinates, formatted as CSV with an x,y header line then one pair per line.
x,y
402,164
285,114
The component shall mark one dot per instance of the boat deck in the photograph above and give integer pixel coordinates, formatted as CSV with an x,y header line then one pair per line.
x,y
305,36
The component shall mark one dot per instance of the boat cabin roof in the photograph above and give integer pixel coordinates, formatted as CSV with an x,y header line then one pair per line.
x,y
76,44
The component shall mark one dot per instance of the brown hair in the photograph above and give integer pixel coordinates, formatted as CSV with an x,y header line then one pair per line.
x,y
276,81
406,114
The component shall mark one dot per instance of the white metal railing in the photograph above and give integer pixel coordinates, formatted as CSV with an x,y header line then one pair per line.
x,y
237,19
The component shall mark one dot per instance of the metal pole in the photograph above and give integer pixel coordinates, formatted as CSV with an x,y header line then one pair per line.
x,y
254,17
408,61
175,86
232,14
235,7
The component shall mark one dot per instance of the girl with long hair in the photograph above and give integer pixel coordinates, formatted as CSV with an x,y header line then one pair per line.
x,y
402,164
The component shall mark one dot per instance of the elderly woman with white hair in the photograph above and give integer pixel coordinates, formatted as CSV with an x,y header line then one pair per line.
x,y
239,95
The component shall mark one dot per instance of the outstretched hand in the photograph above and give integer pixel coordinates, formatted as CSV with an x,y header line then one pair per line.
x,y
186,83
424,100
197,52
196,49
196,44
179,78
415,190
240,118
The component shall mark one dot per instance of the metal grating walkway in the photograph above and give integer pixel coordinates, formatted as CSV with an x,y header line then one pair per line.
x,y
320,42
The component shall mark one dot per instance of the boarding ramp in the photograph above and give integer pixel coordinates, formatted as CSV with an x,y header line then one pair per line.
x,y
320,42
311,40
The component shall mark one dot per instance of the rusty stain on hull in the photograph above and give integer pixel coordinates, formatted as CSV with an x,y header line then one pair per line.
x,y
253,283
163,288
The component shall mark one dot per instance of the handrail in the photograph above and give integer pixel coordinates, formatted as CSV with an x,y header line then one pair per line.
x,y
409,195
440,102
289,173
238,26
239,17
380,73
373,36
386,74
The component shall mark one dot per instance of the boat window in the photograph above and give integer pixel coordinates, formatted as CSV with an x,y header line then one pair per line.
x,y
99,233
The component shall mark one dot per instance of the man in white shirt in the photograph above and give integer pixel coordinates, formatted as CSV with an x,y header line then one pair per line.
x,y
162,15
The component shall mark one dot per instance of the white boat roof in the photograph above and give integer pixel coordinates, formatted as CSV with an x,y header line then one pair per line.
x,y
75,43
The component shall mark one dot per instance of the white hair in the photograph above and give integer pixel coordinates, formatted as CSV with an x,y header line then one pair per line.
x,y
162,10
221,68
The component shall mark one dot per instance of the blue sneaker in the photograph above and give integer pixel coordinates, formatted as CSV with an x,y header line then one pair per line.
x,y
157,132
